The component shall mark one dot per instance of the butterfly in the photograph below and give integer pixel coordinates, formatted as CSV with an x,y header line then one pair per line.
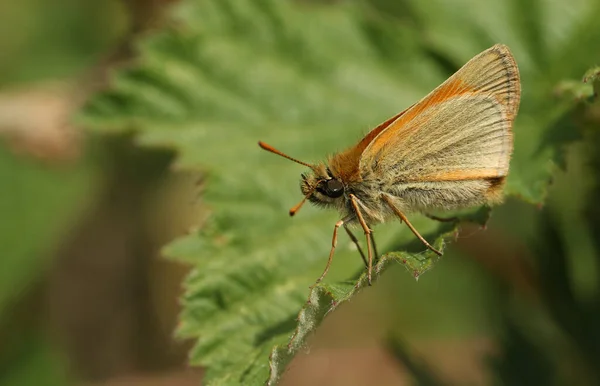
x,y
450,150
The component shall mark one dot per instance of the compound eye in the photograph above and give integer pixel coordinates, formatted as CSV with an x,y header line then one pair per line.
x,y
334,188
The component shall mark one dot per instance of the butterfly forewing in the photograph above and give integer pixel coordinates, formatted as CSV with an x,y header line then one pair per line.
x,y
453,139
461,131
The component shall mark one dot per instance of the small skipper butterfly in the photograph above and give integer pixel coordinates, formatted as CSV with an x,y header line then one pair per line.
x,y
448,151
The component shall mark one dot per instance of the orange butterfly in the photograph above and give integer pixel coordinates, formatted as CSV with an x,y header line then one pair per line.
x,y
448,151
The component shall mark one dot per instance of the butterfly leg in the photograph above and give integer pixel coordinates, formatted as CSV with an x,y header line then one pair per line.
x,y
368,232
355,241
333,245
410,226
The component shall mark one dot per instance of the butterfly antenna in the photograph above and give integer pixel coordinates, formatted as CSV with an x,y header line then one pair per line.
x,y
271,149
297,207
275,151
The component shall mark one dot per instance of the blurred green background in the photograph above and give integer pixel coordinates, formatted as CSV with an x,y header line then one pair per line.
x,y
85,209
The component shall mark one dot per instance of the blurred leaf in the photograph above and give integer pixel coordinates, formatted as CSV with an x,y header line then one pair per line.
x,y
521,361
36,362
574,90
422,374
592,76
38,42
585,90
38,206
556,340
580,112
309,80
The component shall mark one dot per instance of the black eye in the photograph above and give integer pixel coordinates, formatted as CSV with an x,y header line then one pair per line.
x,y
334,188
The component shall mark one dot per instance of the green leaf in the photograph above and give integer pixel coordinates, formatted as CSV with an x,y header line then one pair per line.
x,y
311,80
325,298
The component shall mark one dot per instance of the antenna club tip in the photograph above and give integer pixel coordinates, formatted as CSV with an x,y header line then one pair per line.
x,y
292,213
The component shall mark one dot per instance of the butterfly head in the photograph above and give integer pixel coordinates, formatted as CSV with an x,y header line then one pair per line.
x,y
321,187
318,186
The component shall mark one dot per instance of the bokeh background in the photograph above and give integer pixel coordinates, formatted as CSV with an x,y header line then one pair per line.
x,y
86,297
